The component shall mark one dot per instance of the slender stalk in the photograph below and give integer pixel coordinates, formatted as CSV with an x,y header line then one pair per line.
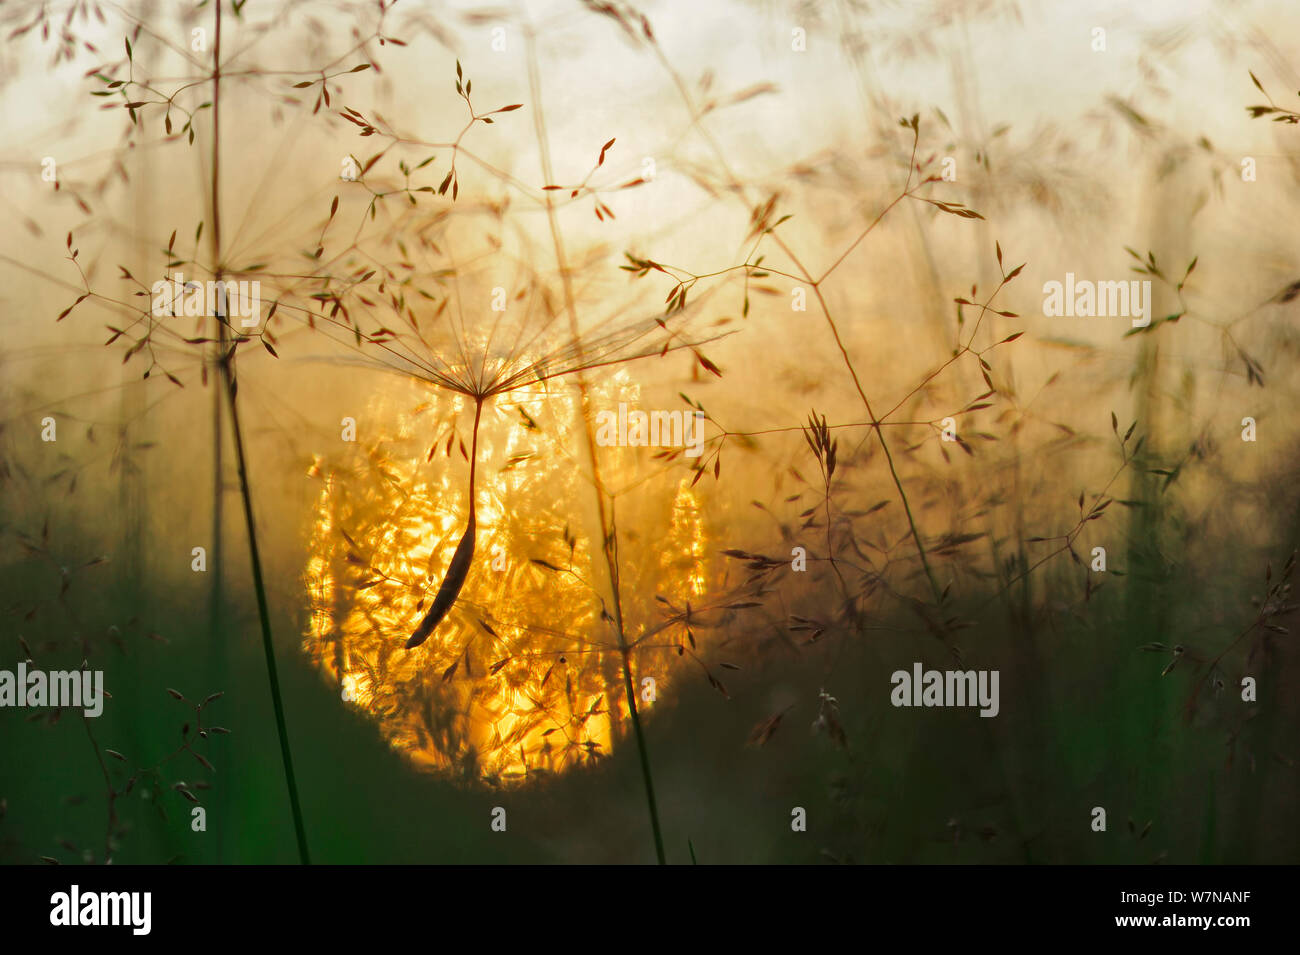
x,y
226,365
473,454
884,445
739,188
216,595
608,544
228,379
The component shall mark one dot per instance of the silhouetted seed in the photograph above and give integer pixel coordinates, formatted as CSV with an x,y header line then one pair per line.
x,y
457,571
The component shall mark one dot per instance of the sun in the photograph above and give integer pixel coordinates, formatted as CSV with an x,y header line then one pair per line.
x,y
524,675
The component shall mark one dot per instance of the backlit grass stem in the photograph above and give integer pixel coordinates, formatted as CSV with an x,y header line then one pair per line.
x,y
226,365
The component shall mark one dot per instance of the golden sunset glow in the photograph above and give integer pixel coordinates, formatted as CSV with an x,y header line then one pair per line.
x,y
524,675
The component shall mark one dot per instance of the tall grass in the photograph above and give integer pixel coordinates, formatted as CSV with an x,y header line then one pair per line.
x,y
974,550
226,364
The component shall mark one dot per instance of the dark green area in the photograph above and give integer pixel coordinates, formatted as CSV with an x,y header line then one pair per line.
x,y
1086,721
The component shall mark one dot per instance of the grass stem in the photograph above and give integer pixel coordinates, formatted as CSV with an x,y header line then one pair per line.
x,y
606,528
226,364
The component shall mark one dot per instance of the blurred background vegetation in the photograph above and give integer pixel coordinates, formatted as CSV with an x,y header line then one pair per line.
x,y
1071,154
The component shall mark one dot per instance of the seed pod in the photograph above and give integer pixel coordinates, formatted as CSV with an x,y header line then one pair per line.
x,y
457,571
